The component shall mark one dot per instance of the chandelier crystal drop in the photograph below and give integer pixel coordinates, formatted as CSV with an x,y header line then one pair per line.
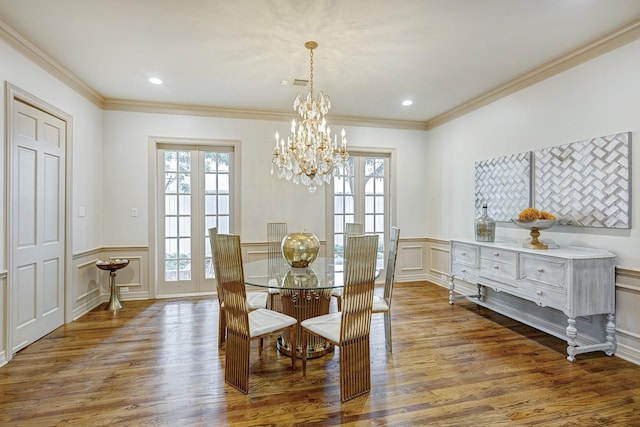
x,y
309,155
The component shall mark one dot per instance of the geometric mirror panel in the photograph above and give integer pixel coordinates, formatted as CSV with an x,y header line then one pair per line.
x,y
586,183
504,184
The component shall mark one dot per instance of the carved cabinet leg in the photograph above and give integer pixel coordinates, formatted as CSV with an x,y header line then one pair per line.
x,y
452,285
610,329
572,334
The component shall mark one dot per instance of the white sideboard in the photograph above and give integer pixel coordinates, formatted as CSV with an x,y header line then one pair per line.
x,y
576,281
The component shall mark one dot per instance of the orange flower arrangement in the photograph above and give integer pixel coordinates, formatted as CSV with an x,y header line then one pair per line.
x,y
532,214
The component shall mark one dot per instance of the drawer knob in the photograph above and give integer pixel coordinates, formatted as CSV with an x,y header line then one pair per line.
x,y
539,292
540,269
497,267
496,254
463,253
464,270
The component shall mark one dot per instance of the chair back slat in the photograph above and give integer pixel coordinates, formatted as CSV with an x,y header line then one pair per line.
x,y
230,277
391,264
359,284
353,228
213,232
276,231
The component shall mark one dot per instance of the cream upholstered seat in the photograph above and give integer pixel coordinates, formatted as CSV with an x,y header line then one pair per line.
x,y
276,231
243,325
383,304
350,229
255,300
350,328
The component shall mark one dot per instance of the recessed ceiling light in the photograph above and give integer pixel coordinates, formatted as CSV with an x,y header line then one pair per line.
x,y
155,81
407,102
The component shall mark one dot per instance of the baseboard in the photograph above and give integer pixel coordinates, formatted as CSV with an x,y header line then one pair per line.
x,y
86,307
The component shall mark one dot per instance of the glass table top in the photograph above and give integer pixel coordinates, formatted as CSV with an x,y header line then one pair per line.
x,y
323,273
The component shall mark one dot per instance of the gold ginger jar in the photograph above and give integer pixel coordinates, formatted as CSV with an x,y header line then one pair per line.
x,y
300,249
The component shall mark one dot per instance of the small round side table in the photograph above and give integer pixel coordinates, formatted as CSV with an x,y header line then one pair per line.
x,y
113,266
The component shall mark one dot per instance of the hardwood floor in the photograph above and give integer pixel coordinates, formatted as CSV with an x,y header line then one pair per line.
x,y
157,363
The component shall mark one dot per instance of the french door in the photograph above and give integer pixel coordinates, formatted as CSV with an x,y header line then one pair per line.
x,y
196,192
361,194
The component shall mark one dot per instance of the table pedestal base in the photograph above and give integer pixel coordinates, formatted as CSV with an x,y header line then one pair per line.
x,y
317,350
114,302
304,304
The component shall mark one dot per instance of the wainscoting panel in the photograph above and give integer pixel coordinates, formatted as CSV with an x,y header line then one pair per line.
x,y
422,259
439,261
88,295
412,257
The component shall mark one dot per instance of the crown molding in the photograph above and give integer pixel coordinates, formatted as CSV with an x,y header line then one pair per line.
x,y
613,40
236,113
50,65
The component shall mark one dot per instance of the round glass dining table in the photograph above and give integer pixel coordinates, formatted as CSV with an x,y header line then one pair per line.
x,y
304,292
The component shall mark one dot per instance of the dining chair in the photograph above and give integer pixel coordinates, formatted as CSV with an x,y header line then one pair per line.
x,y
350,328
276,231
255,300
243,326
350,229
383,304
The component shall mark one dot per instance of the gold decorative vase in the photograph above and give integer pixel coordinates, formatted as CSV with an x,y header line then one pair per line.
x,y
300,249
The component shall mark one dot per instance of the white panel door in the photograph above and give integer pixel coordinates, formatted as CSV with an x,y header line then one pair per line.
x,y
37,218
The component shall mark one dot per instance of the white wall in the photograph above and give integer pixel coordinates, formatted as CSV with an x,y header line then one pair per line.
x,y
264,198
598,98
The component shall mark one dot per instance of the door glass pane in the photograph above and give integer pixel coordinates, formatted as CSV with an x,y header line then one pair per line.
x,y
177,211
217,200
171,227
344,208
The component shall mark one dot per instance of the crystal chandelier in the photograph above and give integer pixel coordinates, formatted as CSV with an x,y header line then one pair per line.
x,y
309,156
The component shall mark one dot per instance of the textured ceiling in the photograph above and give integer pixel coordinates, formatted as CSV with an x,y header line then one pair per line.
x,y
372,54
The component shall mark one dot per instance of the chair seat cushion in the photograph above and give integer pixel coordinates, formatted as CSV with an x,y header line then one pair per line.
x,y
379,304
263,321
327,326
256,300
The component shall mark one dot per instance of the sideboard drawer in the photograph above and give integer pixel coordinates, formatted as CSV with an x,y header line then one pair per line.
x,y
496,269
549,298
464,272
501,255
546,271
465,254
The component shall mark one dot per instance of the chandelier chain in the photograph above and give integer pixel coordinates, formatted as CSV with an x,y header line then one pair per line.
x,y
311,71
